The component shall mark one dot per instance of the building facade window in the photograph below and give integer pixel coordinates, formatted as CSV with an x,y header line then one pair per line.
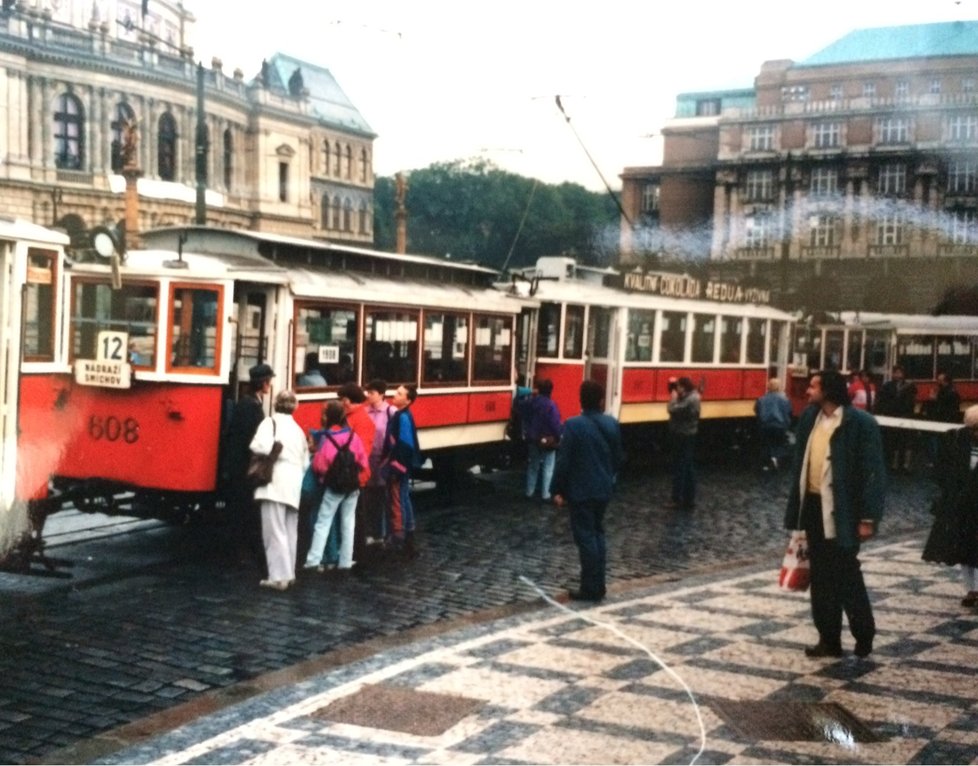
x,y
228,159
759,185
967,84
348,161
962,176
935,86
707,107
893,130
124,115
901,89
962,127
364,217
650,198
869,89
836,92
826,135
347,215
824,182
892,179
961,227
69,132
890,229
795,93
283,182
326,157
364,166
324,208
760,138
824,228
758,230
166,153
337,159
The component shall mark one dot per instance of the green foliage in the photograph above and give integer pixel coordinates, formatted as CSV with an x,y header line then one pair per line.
x,y
471,210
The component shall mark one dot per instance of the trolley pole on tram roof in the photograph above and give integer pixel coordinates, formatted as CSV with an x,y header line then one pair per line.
x,y
201,151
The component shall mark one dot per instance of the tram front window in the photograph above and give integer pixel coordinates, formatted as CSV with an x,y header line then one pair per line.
x,y
548,330
574,332
193,334
131,309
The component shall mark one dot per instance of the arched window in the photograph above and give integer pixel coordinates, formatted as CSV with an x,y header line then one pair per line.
x,y
338,155
326,154
337,213
123,115
364,210
347,215
69,132
348,161
167,147
228,159
363,165
324,211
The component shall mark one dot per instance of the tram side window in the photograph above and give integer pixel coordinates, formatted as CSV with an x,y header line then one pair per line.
x,y
731,330
574,332
548,330
876,343
704,333
493,349
641,331
807,348
672,342
600,321
39,306
854,351
755,341
833,349
325,346
777,328
445,352
131,309
194,328
954,356
391,346
915,353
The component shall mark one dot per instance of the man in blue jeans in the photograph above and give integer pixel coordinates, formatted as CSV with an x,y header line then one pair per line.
x,y
588,460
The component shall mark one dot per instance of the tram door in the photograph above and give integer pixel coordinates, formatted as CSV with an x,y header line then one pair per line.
x,y
250,333
601,355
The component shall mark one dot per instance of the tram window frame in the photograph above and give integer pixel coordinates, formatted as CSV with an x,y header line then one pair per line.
x,y
875,356
429,372
920,365
549,324
829,340
172,339
855,346
335,373
755,341
642,329
599,332
958,366
731,352
501,341
92,325
775,340
703,340
680,335
572,340
40,305
390,374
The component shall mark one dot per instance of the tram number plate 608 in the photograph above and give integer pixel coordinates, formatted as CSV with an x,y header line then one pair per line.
x,y
113,429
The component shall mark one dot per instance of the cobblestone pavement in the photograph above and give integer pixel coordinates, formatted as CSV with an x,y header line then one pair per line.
x,y
606,685
153,620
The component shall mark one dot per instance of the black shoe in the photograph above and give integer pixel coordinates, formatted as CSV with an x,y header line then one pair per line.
x,y
579,595
863,648
823,650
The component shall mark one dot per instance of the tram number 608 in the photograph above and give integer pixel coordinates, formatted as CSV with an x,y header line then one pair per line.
x,y
112,429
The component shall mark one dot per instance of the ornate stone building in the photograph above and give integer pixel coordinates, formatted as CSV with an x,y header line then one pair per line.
x,y
852,175
287,151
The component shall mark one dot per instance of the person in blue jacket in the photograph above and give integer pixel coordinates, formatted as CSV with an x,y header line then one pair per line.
x,y
836,496
773,412
588,461
542,422
401,456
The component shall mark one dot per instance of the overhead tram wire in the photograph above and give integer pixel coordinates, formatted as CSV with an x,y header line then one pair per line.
x,y
607,186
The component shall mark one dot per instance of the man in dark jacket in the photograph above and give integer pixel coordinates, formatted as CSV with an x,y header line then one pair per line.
x,y
588,460
898,399
836,496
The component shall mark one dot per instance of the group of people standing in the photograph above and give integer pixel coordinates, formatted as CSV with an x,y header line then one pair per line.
x,y
351,477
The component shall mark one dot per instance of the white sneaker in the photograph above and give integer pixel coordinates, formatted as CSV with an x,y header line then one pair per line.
x,y
274,584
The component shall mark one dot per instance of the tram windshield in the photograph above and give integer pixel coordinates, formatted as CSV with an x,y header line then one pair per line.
x,y
194,328
131,309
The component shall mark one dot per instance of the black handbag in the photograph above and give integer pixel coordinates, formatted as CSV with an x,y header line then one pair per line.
x,y
260,467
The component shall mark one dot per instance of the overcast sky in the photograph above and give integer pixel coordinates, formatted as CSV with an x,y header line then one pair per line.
x,y
440,80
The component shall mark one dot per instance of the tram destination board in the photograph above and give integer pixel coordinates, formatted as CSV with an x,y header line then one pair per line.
x,y
110,368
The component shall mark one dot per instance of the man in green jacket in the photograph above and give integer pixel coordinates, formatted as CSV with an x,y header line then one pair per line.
x,y
836,496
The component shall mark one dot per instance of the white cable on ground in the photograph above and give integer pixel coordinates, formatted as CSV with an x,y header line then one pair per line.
x,y
616,631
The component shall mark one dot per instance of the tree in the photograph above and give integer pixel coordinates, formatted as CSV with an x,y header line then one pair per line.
x,y
470,210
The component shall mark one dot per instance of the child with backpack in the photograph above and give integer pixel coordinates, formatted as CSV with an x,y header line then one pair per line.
x,y
341,464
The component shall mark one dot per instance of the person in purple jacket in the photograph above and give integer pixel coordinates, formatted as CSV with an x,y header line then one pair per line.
x,y
542,419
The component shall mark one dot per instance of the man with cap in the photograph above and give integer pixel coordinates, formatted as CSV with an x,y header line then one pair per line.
x,y
245,535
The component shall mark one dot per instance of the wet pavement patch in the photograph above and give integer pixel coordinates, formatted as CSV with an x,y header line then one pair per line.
x,y
424,714
792,721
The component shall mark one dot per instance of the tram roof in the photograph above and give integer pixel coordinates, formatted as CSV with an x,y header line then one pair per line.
x,y
909,324
281,248
17,228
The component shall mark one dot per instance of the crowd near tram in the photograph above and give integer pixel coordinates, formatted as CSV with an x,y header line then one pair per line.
x,y
123,377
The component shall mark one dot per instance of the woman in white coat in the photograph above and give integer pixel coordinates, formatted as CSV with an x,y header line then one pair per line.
x,y
279,498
